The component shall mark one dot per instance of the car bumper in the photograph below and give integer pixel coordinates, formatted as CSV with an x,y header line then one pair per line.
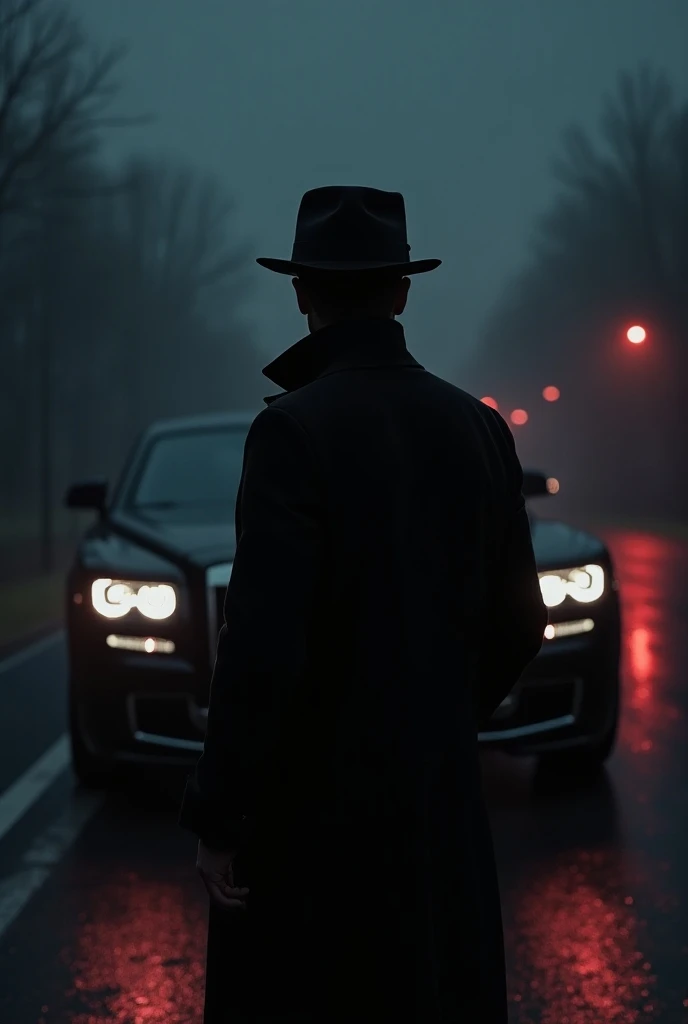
x,y
134,707
138,705
566,697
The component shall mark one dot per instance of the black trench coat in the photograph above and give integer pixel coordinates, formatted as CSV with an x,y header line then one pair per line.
x,y
383,602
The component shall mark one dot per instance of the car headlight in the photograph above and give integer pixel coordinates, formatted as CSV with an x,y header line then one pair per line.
x,y
584,584
115,598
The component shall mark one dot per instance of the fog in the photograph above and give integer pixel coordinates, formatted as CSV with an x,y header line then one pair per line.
x,y
162,145
459,105
150,151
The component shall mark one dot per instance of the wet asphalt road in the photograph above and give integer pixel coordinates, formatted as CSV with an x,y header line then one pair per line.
x,y
102,918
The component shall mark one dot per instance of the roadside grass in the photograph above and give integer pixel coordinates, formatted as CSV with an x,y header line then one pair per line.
x,y
27,605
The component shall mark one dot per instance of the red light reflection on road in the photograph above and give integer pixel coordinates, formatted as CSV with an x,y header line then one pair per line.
x,y
580,945
639,645
140,956
576,955
648,568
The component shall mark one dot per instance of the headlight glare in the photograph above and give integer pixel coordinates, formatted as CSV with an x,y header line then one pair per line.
x,y
584,584
115,598
156,601
553,590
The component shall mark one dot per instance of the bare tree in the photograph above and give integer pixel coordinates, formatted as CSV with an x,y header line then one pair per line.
x,y
183,273
55,90
108,283
178,225
614,240
128,315
677,203
612,245
612,216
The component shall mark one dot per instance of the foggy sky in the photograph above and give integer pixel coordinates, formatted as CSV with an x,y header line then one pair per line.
x,y
456,103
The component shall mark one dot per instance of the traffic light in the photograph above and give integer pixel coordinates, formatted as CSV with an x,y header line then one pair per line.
x,y
519,417
551,394
489,401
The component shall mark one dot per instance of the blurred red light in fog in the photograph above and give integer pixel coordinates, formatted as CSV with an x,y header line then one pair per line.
x,y
551,394
489,401
519,417
636,334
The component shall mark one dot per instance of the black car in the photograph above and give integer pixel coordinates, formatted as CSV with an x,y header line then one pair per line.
x,y
565,708
146,590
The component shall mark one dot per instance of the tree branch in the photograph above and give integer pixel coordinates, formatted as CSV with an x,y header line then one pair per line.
x,y
44,70
19,11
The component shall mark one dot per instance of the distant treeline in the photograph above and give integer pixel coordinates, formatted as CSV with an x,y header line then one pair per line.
x,y
119,287
609,252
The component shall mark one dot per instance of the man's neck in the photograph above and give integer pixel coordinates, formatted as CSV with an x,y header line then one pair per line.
x,y
316,324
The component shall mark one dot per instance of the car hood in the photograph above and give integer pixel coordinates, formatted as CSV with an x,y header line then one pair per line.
x,y
132,546
558,545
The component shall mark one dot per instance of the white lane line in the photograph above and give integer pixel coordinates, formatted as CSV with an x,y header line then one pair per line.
x,y
29,787
41,857
32,651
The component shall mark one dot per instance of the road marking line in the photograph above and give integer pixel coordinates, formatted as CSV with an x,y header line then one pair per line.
x,y
29,787
41,857
32,651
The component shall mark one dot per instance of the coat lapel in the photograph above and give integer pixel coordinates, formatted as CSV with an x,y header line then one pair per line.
x,y
357,343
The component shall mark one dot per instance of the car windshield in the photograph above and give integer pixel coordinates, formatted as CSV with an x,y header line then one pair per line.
x,y
189,475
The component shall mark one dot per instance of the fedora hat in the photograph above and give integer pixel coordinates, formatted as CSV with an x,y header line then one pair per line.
x,y
350,227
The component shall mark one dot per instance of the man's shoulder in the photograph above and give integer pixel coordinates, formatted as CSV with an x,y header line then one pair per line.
x,y
330,384
331,397
465,398
452,391
448,395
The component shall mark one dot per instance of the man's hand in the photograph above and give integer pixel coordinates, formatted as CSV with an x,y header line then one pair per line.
x,y
216,869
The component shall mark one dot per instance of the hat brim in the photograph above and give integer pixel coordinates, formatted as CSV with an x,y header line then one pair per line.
x,y
294,269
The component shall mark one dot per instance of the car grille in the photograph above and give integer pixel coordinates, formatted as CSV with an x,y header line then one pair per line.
x,y
217,577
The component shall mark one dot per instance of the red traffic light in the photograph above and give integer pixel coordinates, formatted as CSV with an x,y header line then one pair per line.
x,y
489,401
519,417
551,394
636,334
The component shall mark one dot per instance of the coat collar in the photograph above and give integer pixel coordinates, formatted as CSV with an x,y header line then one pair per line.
x,y
343,346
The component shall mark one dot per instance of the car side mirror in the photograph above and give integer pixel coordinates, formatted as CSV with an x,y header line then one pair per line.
x,y
535,484
89,494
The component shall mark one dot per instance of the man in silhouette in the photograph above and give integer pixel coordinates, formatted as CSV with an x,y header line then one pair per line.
x,y
383,602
